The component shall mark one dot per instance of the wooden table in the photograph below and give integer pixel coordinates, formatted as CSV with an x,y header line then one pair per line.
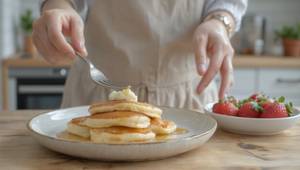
x,y
18,150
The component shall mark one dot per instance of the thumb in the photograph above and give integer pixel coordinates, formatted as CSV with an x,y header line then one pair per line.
x,y
77,36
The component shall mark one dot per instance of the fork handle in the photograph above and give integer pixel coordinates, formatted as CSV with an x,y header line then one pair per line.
x,y
85,59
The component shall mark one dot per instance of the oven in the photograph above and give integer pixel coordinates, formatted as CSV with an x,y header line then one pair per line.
x,y
36,88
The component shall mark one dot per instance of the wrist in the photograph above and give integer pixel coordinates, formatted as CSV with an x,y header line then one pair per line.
x,y
225,19
57,4
217,25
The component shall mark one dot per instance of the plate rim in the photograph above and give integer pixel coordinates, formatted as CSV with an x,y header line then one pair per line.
x,y
211,130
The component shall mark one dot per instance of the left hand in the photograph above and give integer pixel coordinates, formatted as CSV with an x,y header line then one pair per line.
x,y
212,43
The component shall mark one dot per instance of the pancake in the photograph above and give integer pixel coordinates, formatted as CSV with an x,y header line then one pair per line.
x,y
118,118
162,127
76,127
123,105
119,134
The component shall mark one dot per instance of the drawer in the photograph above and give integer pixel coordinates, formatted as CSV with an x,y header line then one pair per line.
x,y
278,82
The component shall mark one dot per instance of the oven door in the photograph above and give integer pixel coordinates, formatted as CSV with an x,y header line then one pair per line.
x,y
39,94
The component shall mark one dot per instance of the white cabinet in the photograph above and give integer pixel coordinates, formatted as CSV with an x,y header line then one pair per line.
x,y
273,82
245,83
281,82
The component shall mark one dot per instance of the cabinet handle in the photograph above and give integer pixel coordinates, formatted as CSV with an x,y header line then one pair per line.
x,y
290,81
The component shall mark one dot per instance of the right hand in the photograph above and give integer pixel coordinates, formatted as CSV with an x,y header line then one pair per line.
x,y
49,33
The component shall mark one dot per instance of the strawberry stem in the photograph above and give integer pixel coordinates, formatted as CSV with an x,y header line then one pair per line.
x,y
281,99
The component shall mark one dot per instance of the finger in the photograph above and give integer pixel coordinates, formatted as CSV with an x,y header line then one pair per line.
x,y
43,50
57,39
50,52
77,36
226,76
38,30
200,46
213,68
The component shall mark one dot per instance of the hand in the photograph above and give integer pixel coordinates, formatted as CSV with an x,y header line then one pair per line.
x,y
211,43
49,33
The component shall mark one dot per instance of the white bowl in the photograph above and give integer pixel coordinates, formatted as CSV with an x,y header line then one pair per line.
x,y
253,126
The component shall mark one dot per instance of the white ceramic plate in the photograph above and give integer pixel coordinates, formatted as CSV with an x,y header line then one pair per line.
x,y
45,127
253,126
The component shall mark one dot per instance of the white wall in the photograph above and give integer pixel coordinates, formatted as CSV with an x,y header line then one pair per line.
x,y
9,20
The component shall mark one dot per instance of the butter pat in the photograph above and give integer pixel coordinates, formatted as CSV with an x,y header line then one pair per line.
x,y
125,94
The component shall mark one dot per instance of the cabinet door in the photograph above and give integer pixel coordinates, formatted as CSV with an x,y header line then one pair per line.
x,y
281,82
245,83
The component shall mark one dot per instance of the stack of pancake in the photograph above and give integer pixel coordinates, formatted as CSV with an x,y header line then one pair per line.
x,y
121,121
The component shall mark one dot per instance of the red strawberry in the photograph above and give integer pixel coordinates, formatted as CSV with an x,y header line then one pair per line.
x,y
277,109
254,96
266,104
249,109
258,97
225,107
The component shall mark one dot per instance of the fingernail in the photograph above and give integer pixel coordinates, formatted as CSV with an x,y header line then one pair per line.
x,y
81,44
83,49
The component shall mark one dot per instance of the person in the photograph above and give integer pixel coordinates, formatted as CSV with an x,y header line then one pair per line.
x,y
173,47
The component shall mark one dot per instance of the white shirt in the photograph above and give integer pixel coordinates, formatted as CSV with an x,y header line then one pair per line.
x,y
145,41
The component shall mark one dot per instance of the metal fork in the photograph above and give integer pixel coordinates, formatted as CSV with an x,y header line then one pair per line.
x,y
98,77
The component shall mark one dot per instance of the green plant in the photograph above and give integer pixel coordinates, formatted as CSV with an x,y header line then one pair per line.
x,y
289,32
27,21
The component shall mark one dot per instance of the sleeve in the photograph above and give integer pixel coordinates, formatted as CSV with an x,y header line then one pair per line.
x,y
236,8
81,6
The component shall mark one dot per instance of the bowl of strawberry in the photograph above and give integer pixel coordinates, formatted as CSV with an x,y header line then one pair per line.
x,y
255,115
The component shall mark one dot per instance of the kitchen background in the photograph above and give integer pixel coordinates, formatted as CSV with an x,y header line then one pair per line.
x,y
38,84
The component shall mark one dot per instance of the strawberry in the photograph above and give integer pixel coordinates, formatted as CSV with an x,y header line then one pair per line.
x,y
265,104
277,109
258,97
254,96
249,109
233,100
225,107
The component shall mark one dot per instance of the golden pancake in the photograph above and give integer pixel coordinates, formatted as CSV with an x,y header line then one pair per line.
x,y
123,105
118,118
76,127
162,127
117,134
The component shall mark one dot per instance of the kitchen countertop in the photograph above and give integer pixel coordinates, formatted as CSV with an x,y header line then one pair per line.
x,y
223,151
240,61
244,61
30,63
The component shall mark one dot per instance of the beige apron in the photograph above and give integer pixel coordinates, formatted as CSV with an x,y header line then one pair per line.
x,y
142,41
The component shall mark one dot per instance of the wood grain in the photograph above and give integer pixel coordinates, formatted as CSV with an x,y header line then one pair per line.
x,y
224,151
266,62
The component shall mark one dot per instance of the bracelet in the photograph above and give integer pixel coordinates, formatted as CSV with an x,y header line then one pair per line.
x,y
45,1
225,21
